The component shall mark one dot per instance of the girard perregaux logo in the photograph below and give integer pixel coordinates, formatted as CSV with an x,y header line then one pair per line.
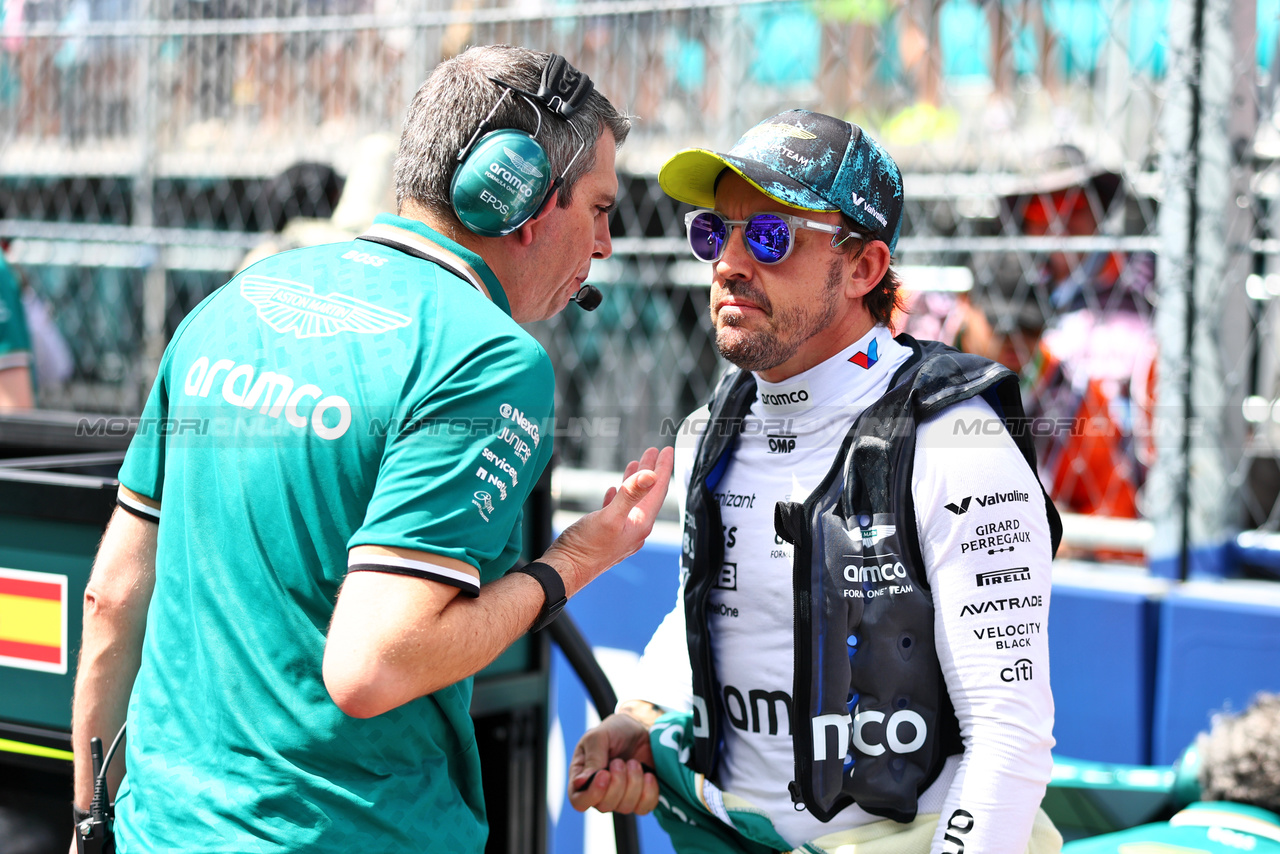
x,y
294,307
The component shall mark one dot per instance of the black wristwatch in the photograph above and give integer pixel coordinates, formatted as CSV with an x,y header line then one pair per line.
x,y
552,589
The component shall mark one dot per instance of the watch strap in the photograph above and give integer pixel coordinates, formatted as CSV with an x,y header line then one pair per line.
x,y
552,590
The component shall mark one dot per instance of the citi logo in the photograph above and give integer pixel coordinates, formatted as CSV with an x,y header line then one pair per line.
x,y
987,501
1020,672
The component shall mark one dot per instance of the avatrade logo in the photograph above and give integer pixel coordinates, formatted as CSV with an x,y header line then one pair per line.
x,y
294,307
869,358
987,500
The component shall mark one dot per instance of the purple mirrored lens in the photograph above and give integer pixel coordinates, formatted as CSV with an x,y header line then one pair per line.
x,y
706,236
768,238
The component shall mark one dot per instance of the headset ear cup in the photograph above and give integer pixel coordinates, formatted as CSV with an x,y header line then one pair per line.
x,y
501,184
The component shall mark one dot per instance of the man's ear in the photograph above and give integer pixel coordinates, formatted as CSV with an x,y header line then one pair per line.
x,y
869,269
526,231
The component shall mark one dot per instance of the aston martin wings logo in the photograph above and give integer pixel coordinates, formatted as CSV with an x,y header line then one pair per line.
x,y
294,307
783,130
523,165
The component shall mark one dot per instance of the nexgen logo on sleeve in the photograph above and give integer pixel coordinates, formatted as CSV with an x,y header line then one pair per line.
x,y
33,620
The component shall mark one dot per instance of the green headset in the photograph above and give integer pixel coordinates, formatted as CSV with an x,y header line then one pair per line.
x,y
503,178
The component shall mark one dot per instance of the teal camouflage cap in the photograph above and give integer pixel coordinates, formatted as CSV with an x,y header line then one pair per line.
x,y
805,160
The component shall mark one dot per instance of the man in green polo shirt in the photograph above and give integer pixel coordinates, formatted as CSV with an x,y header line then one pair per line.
x,y
1239,810
15,344
356,423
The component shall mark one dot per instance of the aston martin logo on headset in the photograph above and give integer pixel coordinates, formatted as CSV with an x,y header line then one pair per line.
x,y
523,165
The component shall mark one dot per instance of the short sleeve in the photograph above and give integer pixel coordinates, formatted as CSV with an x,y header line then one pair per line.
x,y
454,481
143,467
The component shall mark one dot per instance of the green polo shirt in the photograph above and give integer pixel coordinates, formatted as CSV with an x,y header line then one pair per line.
x,y
324,398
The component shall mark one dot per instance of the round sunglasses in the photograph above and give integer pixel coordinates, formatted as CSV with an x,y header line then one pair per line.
x,y
768,235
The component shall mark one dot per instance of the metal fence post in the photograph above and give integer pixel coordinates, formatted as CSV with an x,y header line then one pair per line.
x,y
1186,494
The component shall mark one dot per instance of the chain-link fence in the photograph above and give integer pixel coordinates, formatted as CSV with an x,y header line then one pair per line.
x,y
1070,165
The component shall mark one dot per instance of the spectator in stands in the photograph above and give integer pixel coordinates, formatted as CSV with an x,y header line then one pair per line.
x,y
15,344
1239,808
1094,364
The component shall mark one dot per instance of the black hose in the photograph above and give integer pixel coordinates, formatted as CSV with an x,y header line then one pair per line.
x,y
567,635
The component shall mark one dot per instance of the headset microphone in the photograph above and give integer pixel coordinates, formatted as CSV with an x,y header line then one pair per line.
x,y
588,298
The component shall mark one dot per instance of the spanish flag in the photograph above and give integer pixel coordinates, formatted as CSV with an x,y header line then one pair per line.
x,y
33,620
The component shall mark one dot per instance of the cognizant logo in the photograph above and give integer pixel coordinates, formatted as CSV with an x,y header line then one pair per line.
x,y
244,386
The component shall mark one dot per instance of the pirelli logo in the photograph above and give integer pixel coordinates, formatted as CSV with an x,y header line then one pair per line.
x,y
1003,576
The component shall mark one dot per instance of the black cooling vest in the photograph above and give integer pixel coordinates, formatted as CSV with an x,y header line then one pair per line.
x,y
872,720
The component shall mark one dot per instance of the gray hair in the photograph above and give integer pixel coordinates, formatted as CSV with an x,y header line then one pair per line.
x,y
1240,756
456,97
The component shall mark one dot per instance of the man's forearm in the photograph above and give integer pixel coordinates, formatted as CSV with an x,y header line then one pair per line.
x,y
115,608
109,660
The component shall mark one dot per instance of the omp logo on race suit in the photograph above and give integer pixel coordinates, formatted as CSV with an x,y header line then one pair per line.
x,y
987,501
872,732
782,443
1012,636
876,579
484,501
245,386
294,307
960,823
1011,604
758,710
1003,576
1020,672
731,499
997,537
526,424
501,465
794,398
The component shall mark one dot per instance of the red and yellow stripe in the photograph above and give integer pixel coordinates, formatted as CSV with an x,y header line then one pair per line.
x,y
33,620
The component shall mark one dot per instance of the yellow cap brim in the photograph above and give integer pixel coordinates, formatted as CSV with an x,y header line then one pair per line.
x,y
690,176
